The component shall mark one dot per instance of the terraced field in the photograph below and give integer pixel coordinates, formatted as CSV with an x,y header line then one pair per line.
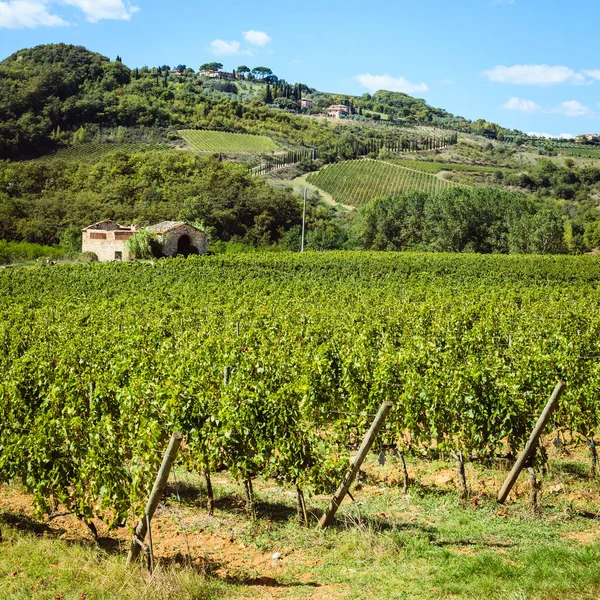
x,y
356,182
223,141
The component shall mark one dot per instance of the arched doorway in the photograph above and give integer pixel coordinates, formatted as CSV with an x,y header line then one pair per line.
x,y
184,245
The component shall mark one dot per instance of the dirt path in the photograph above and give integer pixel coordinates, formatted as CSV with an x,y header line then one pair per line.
x,y
301,182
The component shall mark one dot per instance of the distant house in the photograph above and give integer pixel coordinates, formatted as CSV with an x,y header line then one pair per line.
x,y
108,240
589,137
220,75
338,111
306,103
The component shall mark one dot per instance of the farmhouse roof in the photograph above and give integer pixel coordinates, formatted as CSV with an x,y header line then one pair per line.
x,y
108,225
165,226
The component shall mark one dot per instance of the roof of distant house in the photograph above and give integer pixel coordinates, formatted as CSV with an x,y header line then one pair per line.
x,y
165,226
109,225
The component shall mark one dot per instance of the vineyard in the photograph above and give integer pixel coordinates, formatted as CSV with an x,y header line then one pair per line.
x,y
222,141
102,363
356,182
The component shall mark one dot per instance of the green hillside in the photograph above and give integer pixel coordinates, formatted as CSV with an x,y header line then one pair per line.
x,y
89,152
356,182
222,141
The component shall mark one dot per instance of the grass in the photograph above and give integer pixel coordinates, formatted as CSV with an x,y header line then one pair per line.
x,y
426,544
356,182
34,566
11,252
222,141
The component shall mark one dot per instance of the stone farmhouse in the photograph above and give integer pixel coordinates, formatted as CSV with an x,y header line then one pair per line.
x,y
338,111
306,103
108,240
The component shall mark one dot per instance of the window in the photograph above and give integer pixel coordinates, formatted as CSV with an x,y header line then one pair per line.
x,y
118,256
97,236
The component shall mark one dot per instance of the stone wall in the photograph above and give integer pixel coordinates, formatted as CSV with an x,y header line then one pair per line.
x,y
170,239
106,244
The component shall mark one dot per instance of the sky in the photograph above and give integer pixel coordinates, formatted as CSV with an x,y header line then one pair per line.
x,y
525,64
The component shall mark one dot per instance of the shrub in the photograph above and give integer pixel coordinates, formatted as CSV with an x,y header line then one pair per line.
x,y
143,245
88,257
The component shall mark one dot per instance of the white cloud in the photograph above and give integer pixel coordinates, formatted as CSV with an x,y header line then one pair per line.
x,y
526,106
392,84
560,136
572,108
223,48
19,14
533,75
96,10
593,73
256,38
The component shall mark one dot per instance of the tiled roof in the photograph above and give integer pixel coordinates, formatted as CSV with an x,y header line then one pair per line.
x,y
165,226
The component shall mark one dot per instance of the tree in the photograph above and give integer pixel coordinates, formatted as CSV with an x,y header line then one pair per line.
x,y
261,72
243,70
213,66
268,95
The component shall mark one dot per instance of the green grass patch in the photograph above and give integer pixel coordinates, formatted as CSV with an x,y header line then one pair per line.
x,y
356,182
32,566
223,141
11,252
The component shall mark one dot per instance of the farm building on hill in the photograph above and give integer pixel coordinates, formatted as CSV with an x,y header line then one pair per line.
x,y
108,240
306,103
338,111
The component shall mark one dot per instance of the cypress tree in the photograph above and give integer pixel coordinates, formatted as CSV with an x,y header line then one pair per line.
x,y
268,95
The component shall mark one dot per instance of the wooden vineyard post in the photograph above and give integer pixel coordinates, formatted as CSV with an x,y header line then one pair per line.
x,y
367,442
155,496
531,445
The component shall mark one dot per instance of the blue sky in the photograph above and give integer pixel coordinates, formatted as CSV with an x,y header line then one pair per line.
x,y
528,64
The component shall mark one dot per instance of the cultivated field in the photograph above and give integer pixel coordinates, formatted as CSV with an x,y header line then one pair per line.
x,y
272,367
356,182
222,141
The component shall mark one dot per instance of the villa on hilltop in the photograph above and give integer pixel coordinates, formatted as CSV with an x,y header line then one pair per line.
x,y
338,111
108,240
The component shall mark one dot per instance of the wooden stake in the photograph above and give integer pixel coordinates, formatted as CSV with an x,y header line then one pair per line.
x,y
155,496
531,445
367,442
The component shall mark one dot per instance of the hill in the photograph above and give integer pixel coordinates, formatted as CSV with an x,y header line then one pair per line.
x,y
84,115
49,93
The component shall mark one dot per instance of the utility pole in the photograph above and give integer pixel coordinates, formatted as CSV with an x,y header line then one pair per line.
x,y
303,221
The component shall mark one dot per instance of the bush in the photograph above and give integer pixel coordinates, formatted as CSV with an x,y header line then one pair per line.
x,y
591,235
88,257
143,245
15,251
